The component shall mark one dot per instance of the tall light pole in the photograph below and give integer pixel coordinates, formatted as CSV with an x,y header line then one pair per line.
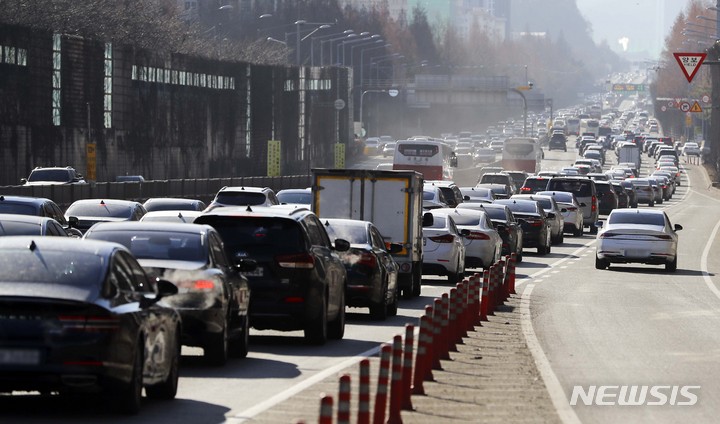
x,y
298,38
323,38
362,61
342,43
373,39
332,40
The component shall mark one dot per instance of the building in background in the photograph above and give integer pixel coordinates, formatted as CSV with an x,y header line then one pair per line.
x,y
395,7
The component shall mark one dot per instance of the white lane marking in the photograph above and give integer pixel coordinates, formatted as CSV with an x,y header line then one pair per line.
x,y
703,262
554,264
552,384
297,388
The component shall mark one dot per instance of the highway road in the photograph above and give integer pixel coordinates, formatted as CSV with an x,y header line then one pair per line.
x,y
630,325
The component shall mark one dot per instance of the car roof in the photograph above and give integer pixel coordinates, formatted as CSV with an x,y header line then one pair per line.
x,y
171,200
259,211
24,199
347,222
107,201
175,227
245,188
103,248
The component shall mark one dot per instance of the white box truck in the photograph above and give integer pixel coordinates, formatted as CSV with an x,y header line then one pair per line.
x,y
392,200
630,152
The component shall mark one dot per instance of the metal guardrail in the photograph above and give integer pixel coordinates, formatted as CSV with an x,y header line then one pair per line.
x,y
192,188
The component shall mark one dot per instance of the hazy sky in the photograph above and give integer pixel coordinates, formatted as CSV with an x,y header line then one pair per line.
x,y
644,23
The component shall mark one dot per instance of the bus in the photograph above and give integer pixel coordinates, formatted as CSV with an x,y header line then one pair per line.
x,y
522,154
430,157
589,126
573,126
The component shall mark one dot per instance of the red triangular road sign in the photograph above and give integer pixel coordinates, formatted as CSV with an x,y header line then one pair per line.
x,y
690,63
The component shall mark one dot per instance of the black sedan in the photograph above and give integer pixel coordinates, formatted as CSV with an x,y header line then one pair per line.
x,y
27,225
371,270
534,222
83,214
213,296
82,316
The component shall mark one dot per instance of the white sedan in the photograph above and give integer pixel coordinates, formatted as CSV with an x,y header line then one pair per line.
x,y
443,248
639,236
572,217
483,244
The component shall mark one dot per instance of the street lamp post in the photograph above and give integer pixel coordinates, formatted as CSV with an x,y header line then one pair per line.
x,y
391,92
381,59
343,43
332,40
372,40
515,90
323,38
362,60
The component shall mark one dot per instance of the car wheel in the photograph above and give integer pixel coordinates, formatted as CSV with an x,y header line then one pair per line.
x,y
660,202
519,255
671,266
578,231
601,263
593,229
336,327
454,278
392,309
379,311
167,389
239,347
561,239
216,351
130,396
651,204
407,293
417,281
316,330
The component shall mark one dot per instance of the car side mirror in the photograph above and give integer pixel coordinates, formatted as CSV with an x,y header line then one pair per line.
x,y
465,232
598,224
550,215
165,289
342,245
678,227
582,205
466,198
563,210
72,221
428,220
23,180
394,247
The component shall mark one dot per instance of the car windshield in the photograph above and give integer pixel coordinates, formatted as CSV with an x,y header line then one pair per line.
x,y
522,207
302,198
100,209
168,245
60,267
495,179
580,188
355,234
18,208
468,220
496,213
8,228
57,175
169,206
560,197
439,221
536,184
240,198
262,236
637,218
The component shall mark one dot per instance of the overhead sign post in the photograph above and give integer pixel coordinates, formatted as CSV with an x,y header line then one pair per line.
x,y
690,63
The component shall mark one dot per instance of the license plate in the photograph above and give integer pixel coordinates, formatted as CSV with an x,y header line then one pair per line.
x,y
257,272
19,356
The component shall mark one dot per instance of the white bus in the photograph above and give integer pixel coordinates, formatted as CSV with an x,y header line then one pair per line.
x,y
432,158
522,154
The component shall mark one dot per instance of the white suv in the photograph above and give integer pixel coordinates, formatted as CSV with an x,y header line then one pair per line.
x,y
53,176
244,196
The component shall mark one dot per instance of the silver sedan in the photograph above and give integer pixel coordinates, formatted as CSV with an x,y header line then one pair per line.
x,y
637,236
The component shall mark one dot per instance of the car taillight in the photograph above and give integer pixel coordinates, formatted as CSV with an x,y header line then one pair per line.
x,y
447,238
474,235
297,261
534,222
663,237
525,189
593,202
90,323
571,209
195,284
367,259
607,235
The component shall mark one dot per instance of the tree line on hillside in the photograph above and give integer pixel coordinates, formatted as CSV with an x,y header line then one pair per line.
x,y
227,33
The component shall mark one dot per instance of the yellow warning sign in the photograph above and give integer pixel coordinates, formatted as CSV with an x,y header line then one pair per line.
x,y
696,107
273,158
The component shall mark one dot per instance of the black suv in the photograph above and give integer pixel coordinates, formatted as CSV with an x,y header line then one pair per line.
x,y
558,141
586,193
300,280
